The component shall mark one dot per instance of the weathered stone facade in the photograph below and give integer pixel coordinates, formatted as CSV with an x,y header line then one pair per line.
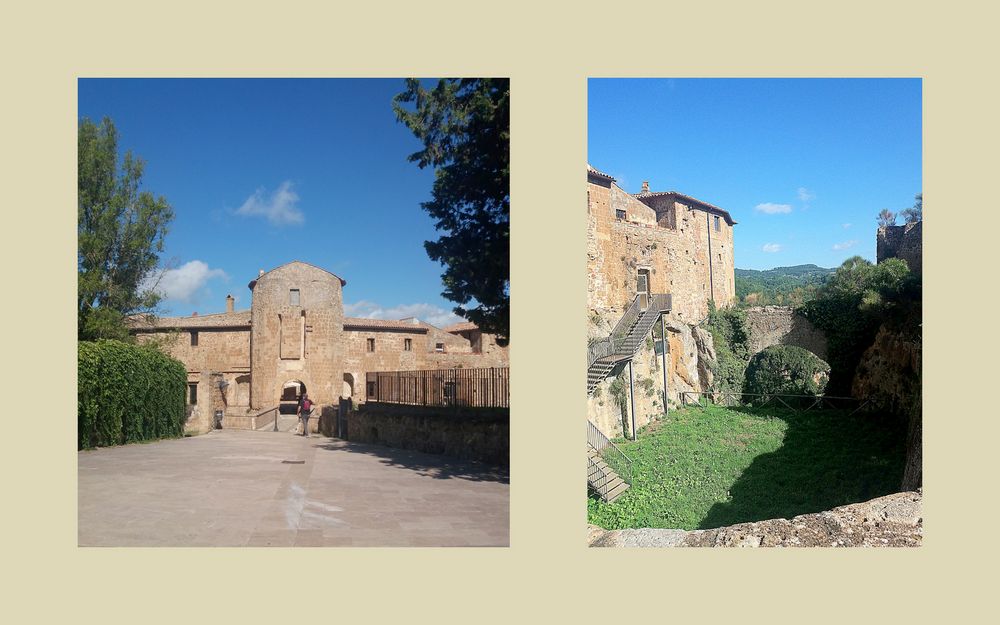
x,y
678,245
905,242
296,336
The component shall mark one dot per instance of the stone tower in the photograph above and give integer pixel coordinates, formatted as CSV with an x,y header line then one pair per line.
x,y
297,327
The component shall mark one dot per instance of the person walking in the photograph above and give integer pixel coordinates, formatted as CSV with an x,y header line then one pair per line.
x,y
304,411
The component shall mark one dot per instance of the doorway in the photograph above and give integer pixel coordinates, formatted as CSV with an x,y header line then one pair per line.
x,y
642,288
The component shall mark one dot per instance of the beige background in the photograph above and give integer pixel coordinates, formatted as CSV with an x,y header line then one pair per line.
x,y
548,51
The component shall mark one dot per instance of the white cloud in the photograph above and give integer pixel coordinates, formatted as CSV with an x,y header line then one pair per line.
x,y
805,195
280,208
771,209
184,283
846,226
845,245
434,315
771,247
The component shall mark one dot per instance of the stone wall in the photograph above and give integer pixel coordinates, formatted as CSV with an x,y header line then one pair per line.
x,y
780,325
467,434
670,239
905,242
677,257
892,521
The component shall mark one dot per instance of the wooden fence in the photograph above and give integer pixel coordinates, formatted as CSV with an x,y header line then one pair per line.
x,y
482,388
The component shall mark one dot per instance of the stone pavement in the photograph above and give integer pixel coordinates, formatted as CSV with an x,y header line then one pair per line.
x,y
234,488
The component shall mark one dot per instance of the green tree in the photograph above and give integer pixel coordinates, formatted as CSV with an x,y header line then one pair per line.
x,y
120,233
916,212
854,302
464,125
886,218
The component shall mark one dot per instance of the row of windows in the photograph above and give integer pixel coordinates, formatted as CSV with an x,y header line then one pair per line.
x,y
407,345
620,215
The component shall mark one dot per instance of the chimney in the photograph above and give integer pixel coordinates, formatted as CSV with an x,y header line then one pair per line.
x,y
229,303
645,186
260,273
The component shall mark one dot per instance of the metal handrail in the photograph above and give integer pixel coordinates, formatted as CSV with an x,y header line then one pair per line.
x,y
261,414
626,327
611,453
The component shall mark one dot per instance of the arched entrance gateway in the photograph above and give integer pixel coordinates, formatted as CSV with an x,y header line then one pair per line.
x,y
348,391
290,392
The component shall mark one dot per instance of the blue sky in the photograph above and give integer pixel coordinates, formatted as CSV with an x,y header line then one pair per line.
x,y
263,172
804,165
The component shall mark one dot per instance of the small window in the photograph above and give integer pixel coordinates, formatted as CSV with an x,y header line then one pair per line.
x,y
439,347
718,226
293,297
193,393
194,339
371,345
620,214
407,345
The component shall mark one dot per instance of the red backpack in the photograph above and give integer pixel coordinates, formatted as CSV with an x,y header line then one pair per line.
x,y
306,405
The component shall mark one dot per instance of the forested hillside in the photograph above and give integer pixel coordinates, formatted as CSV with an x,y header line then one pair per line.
x,y
788,286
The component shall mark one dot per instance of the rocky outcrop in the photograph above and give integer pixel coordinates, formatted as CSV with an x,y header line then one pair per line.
x,y
690,352
892,521
888,375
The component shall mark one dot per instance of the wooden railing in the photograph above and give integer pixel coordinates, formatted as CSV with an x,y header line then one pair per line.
x,y
478,387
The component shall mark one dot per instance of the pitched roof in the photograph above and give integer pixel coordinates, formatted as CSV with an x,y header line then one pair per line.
x,y
599,174
687,199
236,319
461,326
254,281
383,324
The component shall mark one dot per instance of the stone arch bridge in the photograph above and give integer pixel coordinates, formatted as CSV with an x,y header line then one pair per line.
x,y
780,325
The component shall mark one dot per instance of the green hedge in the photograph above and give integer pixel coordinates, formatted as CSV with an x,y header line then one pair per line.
x,y
786,370
127,393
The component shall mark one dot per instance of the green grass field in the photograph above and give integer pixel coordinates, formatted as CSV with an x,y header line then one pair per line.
x,y
701,468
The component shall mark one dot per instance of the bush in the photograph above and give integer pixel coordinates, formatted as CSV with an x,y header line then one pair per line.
x,y
127,393
786,370
731,339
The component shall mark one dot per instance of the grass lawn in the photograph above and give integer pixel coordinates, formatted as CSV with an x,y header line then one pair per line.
x,y
708,467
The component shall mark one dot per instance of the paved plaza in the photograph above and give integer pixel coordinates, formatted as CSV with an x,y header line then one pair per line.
x,y
232,488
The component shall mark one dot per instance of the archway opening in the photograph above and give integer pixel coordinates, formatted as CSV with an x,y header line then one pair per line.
x,y
289,399
348,391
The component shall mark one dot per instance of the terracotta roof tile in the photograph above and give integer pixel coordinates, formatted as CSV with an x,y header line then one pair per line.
x,y
360,322
687,199
591,170
461,326
240,318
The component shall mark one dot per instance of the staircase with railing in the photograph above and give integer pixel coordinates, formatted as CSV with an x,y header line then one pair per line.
x,y
609,470
626,337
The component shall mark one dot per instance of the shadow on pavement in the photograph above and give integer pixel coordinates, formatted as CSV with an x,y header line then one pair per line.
x,y
430,465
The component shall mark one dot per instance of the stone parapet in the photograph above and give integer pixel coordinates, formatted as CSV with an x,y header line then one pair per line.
x,y
463,433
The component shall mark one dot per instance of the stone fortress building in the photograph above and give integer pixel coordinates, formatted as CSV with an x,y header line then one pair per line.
x,y
638,246
295,338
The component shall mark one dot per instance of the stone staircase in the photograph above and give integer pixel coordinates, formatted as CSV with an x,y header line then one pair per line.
x,y
626,337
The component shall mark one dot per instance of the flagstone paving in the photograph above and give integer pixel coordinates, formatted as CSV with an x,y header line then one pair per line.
x,y
233,488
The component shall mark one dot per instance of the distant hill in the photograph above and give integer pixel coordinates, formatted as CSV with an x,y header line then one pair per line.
x,y
788,286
